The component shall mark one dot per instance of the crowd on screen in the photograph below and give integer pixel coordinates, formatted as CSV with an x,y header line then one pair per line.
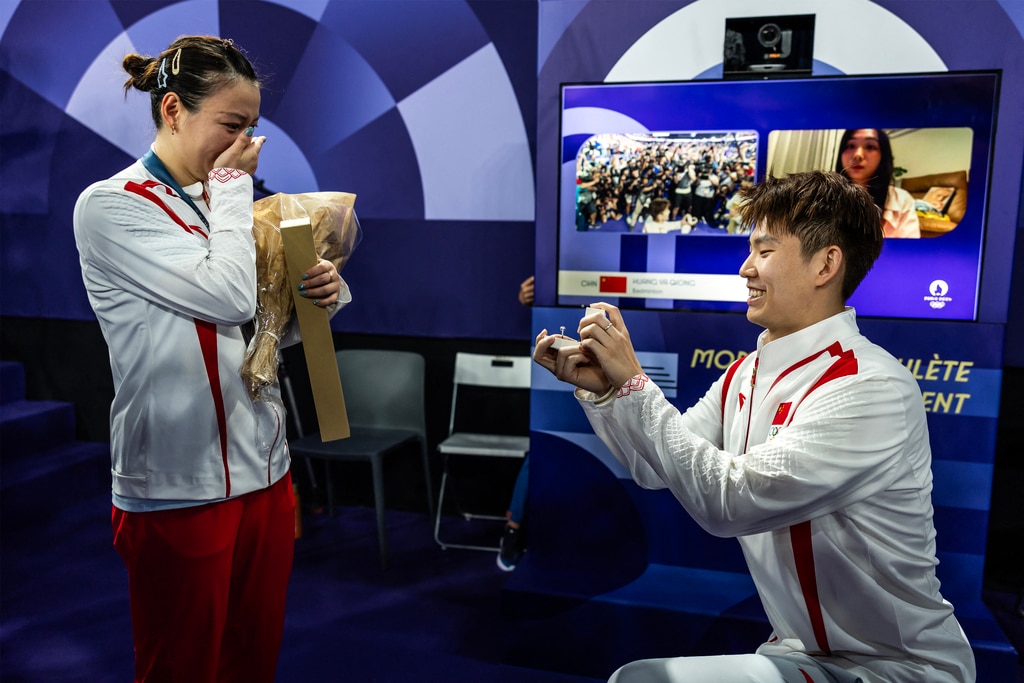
x,y
618,176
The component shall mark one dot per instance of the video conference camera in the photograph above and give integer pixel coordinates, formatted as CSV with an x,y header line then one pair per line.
x,y
775,39
760,47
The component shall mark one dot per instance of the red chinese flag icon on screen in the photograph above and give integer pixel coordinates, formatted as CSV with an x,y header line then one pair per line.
x,y
615,284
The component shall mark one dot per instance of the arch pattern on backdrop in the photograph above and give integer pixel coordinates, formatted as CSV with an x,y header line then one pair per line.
x,y
335,88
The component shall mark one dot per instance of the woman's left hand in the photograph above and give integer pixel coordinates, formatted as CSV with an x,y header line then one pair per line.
x,y
321,284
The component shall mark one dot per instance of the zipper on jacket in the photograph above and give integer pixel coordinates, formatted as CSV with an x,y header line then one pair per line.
x,y
750,402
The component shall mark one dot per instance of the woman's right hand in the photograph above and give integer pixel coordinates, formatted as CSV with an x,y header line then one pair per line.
x,y
243,154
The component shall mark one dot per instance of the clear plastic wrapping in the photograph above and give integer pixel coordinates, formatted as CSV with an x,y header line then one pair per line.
x,y
336,233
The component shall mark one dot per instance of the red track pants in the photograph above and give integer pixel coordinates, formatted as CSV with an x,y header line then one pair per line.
x,y
207,586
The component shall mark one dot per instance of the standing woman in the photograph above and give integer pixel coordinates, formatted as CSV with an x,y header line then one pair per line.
x,y
203,510
865,157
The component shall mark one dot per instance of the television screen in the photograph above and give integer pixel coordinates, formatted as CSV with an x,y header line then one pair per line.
x,y
649,174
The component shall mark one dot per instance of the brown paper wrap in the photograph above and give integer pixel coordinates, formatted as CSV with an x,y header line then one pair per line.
x,y
336,233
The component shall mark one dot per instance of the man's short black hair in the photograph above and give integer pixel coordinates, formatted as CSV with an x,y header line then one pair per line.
x,y
820,209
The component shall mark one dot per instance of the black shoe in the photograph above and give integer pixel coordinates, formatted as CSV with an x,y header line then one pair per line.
x,y
509,549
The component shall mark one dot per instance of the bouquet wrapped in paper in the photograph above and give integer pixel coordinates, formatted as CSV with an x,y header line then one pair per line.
x,y
336,233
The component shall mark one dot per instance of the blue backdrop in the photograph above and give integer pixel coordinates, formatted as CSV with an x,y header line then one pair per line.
x,y
424,109
442,116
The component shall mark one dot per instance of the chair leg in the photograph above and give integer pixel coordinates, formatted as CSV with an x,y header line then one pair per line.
x,y
440,505
426,479
437,518
378,497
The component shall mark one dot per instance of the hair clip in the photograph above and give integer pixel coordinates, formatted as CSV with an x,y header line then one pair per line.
x,y
176,62
161,77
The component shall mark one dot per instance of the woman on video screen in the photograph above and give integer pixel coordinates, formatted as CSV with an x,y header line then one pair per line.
x,y
865,157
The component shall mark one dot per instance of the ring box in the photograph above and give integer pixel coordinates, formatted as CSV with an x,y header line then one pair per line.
x,y
563,341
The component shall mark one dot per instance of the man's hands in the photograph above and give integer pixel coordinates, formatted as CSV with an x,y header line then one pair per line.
x,y
570,364
604,358
606,341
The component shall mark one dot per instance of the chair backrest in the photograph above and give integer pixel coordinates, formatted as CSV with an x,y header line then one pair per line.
x,y
487,370
383,388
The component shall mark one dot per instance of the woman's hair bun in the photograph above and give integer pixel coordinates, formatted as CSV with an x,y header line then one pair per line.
x,y
140,71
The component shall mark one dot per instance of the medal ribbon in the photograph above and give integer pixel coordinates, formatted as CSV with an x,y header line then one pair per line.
x,y
153,164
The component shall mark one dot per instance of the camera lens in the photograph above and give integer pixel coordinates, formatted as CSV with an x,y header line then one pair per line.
x,y
769,35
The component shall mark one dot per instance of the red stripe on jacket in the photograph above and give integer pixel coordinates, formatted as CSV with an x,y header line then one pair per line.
x,y
206,331
145,190
845,365
803,555
208,343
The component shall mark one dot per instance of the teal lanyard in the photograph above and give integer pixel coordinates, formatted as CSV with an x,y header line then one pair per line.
x,y
153,164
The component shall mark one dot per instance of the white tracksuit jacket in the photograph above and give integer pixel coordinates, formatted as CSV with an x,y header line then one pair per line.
x,y
822,470
170,294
